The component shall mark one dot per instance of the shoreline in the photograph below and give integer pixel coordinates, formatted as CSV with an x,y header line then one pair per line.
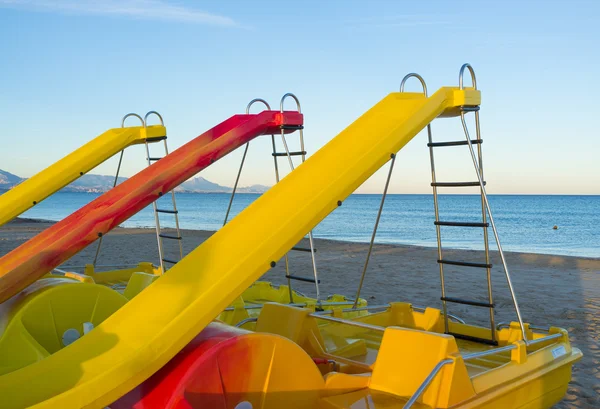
x,y
20,220
562,291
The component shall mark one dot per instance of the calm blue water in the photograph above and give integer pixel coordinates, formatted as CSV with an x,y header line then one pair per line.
x,y
524,222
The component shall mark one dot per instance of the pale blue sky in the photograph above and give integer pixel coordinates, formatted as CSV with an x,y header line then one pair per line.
x,y
71,69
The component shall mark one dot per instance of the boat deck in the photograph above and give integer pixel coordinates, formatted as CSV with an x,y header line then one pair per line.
x,y
368,345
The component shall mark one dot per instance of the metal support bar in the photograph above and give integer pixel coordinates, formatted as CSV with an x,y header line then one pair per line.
x,y
237,179
487,207
114,184
383,196
117,177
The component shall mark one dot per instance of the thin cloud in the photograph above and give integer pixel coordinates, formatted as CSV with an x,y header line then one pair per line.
x,y
138,9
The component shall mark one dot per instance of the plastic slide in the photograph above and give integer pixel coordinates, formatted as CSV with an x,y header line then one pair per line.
x,y
58,243
37,188
148,331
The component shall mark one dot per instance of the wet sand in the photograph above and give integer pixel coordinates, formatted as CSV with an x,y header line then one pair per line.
x,y
551,290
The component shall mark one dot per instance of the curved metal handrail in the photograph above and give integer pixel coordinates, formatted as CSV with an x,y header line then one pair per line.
x,y
413,75
132,114
461,74
162,122
290,95
255,100
292,167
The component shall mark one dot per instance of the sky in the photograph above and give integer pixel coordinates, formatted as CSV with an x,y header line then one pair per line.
x,y
71,69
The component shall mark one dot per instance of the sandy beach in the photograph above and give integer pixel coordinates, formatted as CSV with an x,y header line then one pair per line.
x,y
552,290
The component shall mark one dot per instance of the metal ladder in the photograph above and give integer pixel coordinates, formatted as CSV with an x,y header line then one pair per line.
x,y
486,216
147,142
160,236
289,154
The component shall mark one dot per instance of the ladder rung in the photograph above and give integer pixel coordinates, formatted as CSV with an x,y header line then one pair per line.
x,y
167,211
462,224
453,143
156,139
455,184
307,280
153,159
472,108
474,339
465,264
166,236
467,302
291,127
303,249
290,154
166,260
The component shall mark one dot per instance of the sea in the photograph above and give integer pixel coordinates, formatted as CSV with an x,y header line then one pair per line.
x,y
525,223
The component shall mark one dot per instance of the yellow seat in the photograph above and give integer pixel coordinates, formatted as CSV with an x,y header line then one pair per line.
x,y
48,315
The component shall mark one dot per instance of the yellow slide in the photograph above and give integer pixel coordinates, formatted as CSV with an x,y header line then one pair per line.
x,y
76,164
149,330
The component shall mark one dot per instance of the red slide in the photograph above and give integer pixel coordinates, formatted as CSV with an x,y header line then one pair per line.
x,y
58,243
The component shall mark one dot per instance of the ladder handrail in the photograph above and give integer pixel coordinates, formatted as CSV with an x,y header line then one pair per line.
x,y
479,170
159,236
277,178
132,114
486,212
485,198
289,156
162,122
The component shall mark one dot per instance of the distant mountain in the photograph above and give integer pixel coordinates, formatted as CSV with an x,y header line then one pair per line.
x,y
201,185
8,180
253,189
92,184
103,183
